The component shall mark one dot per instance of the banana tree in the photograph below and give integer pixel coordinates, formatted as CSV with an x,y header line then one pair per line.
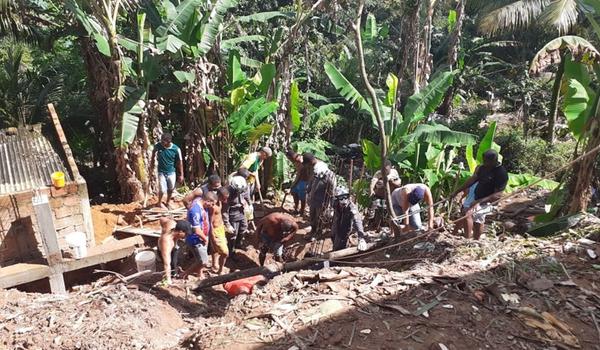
x,y
581,102
104,61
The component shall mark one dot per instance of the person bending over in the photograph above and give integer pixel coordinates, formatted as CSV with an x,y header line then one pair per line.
x,y
274,230
485,186
168,244
406,200
345,219
198,240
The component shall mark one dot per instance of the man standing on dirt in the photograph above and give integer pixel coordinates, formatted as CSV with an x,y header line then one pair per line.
x,y
376,189
168,244
320,189
253,162
345,219
234,217
298,187
218,238
485,186
169,156
273,231
405,201
198,239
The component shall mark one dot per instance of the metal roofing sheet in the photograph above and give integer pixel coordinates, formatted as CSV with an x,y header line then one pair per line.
x,y
27,159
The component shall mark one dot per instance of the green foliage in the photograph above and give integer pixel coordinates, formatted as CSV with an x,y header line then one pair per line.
x,y
533,155
295,106
428,99
128,126
177,20
371,155
488,143
360,190
516,181
211,29
346,89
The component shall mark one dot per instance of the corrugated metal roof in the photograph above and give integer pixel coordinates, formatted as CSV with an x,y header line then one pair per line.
x,y
27,159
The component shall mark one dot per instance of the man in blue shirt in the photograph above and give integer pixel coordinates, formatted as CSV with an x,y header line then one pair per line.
x,y
169,157
197,240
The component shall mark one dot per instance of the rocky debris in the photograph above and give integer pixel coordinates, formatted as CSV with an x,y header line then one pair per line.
x,y
109,317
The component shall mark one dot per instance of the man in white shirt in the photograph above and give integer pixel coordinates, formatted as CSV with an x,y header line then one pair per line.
x,y
376,189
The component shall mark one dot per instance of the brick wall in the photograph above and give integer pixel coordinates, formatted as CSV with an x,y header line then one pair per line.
x,y
20,240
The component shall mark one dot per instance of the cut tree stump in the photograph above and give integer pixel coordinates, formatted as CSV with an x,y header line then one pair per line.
x,y
278,267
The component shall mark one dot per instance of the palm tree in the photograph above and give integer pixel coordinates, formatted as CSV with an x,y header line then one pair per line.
x,y
501,15
560,15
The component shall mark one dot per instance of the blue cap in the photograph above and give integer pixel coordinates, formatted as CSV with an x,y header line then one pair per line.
x,y
416,195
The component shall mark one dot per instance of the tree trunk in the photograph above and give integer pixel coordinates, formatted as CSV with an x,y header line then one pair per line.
x,y
409,40
585,170
454,47
424,58
554,106
200,118
104,74
375,105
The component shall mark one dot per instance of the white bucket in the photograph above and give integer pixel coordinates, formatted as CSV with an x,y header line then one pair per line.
x,y
77,241
146,260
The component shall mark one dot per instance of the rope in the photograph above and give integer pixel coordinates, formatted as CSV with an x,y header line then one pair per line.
x,y
511,195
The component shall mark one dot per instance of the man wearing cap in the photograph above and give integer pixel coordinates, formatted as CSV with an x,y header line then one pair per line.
x,y
320,189
345,219
485,186
171,232
273,231
406,201
253,162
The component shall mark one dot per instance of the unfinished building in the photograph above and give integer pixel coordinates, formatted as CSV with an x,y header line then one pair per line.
x,y
35,217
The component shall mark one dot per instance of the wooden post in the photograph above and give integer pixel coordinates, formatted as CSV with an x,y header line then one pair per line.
x,y
43,213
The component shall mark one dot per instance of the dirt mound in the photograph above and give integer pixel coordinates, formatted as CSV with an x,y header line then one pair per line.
x,y
516,294
111,317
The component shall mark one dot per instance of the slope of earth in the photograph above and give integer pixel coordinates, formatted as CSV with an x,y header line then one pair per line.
x,y
110,317
514,294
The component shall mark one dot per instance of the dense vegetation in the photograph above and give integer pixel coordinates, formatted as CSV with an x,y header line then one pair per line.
x,y
428,84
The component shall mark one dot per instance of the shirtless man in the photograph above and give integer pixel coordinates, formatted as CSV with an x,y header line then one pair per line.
x,y
171,232
218,237
274,230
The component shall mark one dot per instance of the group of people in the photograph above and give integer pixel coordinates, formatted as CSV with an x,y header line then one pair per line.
x,y
218,216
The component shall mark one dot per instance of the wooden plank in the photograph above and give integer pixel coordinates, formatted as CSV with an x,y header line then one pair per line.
x,y
43,214
14,275
63,141
139,231
104,253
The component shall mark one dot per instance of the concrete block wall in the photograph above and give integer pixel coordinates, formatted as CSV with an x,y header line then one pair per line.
x,y
20,240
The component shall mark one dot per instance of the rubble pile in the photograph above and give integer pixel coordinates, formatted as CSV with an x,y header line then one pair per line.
x,y
109,317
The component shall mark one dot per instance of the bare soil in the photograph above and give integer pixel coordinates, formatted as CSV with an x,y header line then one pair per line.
x,y
433,292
